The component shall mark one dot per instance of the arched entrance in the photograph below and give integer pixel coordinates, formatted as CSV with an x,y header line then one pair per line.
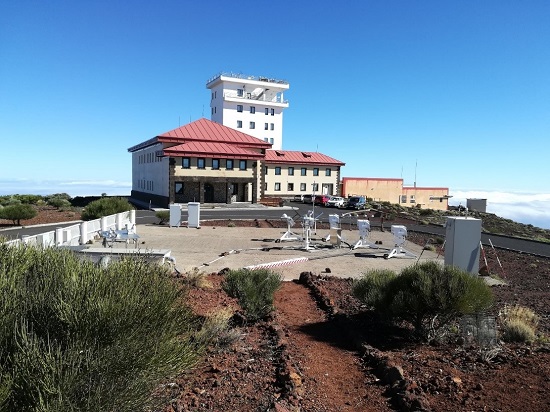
x,y
208,193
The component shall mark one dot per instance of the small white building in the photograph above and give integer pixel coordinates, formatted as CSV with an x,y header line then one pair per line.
x,y
251,104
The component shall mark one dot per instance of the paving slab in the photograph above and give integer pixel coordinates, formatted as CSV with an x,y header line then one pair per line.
x,y
213,248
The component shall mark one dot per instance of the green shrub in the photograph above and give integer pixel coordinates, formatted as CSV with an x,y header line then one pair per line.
x,y
28,199
163,216
427,295
519,324
425,212
370,287
430,295
59,202
78,337
18,212
104,207
254,289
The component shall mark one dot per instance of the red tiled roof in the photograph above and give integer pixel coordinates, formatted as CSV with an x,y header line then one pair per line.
x,y
208,131
290,156
212,150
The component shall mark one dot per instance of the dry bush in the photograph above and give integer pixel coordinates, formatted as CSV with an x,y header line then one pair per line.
x,y
519,324
216,329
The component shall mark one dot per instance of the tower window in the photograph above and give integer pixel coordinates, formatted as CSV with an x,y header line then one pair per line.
x,y
240,108
252,109
240,92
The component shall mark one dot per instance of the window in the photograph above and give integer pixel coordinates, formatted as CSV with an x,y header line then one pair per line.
x,y
315,187
403,198
291,171
215,164
277,187
290,187
265,186
212,110
242,165
327,171
272,112
302,187
240,92
201,163
266,140
186,163
277,170
271,141
272,126
303,171
266,111
266,169
252,125
315,171
252,109
229,164
239,124
412,199
266,126
179,188
240,108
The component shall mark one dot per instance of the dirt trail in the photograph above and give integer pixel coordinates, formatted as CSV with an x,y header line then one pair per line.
x,y
328,374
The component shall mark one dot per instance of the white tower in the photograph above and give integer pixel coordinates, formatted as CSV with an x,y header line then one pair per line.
x,y
250,104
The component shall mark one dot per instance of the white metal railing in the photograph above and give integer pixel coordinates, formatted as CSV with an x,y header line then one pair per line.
x,y
79,233
254,96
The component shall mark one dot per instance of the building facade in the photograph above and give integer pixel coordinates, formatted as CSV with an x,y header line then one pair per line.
x,y
393,191
251,104
289,173
207,162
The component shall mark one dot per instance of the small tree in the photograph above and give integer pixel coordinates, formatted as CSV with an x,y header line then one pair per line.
x,y
163,216
104,207
17,213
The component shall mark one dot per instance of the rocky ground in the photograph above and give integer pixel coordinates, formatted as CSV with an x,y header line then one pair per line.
x,y
322,351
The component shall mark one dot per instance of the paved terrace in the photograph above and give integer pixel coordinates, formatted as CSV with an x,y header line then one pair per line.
x,y
212,248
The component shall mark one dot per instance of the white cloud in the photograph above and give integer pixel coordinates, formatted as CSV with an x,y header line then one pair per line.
x,y
529,208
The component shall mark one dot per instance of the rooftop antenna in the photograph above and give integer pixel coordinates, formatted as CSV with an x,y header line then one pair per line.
x,y
415,166
203,110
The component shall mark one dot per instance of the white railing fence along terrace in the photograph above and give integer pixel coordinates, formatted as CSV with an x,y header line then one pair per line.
x,y
80,233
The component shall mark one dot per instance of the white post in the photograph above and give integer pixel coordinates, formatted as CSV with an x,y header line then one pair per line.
x,y
133,217
58,236
103,224
119,221
83,233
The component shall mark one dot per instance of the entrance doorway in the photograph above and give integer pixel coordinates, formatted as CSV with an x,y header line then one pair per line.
x,y
208,193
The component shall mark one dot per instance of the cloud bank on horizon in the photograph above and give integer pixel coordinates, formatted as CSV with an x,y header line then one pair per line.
x,y
72,187
528,208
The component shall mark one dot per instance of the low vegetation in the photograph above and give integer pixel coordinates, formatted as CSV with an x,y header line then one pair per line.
x,y
163,216
428,295
104,207
76,336
519,324
254,289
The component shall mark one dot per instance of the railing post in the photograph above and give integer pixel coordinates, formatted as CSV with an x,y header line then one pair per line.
x,y
83,233
58,236
119,221
103,224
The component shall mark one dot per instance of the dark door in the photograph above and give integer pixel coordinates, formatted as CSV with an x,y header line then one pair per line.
x,y
208,193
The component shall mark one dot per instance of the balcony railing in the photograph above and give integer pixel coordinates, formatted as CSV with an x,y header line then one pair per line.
x,y
247,77
255,97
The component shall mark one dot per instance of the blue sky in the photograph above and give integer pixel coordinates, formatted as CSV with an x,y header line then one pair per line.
x,y
450,93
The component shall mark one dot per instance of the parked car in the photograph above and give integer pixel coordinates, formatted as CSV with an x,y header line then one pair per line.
x,y
321,200
336,201
308,199
298,198
357,202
